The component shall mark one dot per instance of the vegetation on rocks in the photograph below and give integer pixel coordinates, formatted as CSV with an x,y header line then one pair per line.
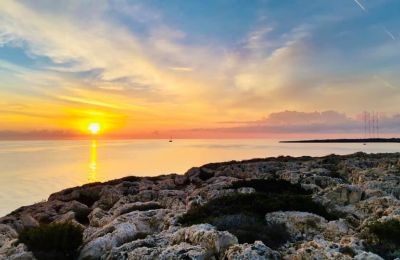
x,y
384,238
243,214
157,217
54,241
248,228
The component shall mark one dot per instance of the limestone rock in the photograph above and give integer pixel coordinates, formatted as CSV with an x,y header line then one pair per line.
x,y
206,236
256,251
137,217
345,194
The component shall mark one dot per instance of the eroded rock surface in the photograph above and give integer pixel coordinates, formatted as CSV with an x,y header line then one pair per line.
x,y
137,218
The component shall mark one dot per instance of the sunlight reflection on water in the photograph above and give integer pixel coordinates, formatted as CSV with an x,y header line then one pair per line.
x,y
31,170
93,162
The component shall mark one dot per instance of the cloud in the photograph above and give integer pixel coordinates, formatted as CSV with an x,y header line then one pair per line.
x,y
389,33
360,5
295,122
184,69
36,134
127,58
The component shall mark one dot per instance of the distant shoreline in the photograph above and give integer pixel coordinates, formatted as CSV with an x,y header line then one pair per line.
x,y
360,140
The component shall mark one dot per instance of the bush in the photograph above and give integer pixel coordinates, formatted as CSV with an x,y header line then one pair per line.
x,y
53,241
384,238
253,204
205,174
347,251
250,228
386,232
244,214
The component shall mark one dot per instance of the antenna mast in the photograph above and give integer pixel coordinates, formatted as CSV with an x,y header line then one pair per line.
x,y
377,125
369,124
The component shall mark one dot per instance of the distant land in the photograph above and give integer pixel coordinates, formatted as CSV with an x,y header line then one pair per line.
x,y
360,140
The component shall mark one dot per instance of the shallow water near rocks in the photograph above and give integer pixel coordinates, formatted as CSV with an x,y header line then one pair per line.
x,y
31,170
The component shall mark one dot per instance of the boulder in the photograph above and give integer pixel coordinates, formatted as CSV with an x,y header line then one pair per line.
x,y
205,235
344,194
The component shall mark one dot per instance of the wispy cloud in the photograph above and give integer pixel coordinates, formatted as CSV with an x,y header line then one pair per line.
x,y
184,69
86,101
129,58
389,33
384,81
360,5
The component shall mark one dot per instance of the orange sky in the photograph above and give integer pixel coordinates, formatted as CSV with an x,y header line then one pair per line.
x,y
149,70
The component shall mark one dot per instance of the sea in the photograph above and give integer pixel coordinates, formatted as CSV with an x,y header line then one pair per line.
x,y
31,170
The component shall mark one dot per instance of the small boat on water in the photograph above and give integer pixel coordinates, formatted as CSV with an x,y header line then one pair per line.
x,y
170,140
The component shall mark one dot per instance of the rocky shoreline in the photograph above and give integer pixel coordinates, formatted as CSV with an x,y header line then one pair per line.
x,y
139,217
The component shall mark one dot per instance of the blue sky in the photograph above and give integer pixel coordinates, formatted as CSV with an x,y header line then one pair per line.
x,y
137,63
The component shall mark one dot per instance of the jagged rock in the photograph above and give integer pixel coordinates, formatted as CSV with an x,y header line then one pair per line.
x,y
303,225
99,217
137,218
344,194
256,251
194,201
28,221
172,199
205,235
185,251
299,224
121,230
322,249
367,256
321,181
291,176
15,251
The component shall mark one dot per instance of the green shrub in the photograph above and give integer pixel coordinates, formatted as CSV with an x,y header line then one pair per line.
x,y
384,238
205,174
253,204
250,228
244,214
386,232
53,241
347,251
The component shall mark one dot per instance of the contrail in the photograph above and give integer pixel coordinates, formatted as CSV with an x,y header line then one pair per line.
x,y
391,35
384,81
360,5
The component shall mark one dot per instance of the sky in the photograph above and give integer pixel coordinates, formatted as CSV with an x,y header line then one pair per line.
x,y
198,69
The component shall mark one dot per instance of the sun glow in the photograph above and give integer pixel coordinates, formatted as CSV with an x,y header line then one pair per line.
x,y
94,128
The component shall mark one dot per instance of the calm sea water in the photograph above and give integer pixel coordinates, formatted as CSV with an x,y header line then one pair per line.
x,y
31,170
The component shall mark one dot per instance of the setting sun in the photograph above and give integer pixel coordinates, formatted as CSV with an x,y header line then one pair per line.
x,y
94,128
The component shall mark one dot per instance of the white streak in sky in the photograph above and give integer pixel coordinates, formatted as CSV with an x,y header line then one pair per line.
x,y
391,35
384,81
360,5
185,69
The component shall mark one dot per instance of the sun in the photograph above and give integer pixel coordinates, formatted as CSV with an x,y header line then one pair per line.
x,y
94,128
